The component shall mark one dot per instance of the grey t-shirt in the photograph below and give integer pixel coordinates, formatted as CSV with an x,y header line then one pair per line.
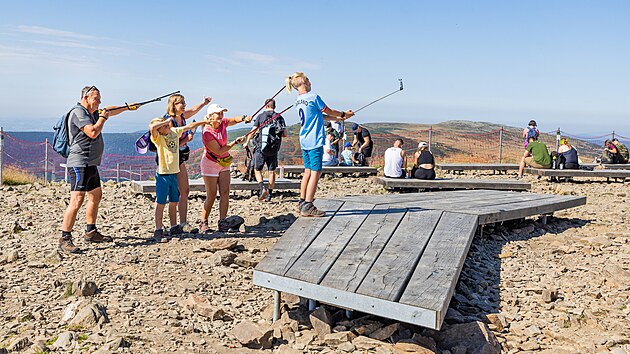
x,y
83,150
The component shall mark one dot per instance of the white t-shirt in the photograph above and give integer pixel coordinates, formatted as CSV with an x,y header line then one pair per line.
x,y
327,146
393,162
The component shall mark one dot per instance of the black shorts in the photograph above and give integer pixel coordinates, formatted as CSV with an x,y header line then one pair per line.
x,y
259,161
367,151
423,173
84,179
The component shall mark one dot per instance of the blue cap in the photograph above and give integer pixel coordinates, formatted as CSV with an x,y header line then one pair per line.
x,y
355,126
347,144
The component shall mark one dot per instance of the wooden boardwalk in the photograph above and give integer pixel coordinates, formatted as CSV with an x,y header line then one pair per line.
x,y
196,185
299,169
454,183
495,167
397,256
601,173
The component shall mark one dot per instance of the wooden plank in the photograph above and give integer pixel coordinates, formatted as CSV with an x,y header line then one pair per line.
x,y
604,173
410,314
475,203
405,197
517,210
357,258
434,279
478,166
297,238
197,185
395,265
498,184
320,255
297,169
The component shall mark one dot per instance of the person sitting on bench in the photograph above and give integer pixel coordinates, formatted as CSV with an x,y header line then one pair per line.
x,y
424,168
567,155
395,161
536,155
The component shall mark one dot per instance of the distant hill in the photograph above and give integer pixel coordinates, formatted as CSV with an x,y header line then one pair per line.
x,y
451,141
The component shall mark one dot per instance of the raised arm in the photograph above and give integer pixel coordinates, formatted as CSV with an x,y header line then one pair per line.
x,y
216,149
239,119
193,125
192,111
156,127
335,115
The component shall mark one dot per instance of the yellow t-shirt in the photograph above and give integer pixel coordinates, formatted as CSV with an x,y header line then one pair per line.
x,y
168,151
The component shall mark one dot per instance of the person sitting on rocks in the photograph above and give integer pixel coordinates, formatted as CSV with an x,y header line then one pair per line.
x,y
610,153
424,167
166,140
622,149
347,155
395,161
536,155
567,155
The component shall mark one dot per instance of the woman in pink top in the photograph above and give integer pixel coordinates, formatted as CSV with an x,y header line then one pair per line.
x,y
216,171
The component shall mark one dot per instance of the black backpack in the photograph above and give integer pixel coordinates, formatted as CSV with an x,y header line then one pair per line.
x,y
271,137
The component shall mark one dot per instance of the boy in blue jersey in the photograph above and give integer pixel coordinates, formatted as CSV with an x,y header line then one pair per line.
x,y
311,109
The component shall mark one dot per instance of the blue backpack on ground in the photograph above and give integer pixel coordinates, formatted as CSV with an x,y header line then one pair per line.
x,y
61,137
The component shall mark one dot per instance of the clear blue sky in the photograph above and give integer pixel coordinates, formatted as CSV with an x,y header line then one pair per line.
x,y
563,63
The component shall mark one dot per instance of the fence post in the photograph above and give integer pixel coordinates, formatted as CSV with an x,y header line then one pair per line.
x,y
430,136
130,173
500,144
46,162
1,152
140,178
613,135
557,139
118,172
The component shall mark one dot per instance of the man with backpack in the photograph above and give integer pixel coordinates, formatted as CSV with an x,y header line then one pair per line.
x,y
530,132
622,151
85,123
267,143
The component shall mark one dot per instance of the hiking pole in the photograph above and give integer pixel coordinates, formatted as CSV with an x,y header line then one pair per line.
x,y
264,104
269,120
139,103
389,94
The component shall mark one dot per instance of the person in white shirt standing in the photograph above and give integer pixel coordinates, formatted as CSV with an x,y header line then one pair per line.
x,y
396,161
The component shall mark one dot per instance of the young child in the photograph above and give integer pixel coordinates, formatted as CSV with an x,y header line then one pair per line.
x,y
346,155
311,108
166,140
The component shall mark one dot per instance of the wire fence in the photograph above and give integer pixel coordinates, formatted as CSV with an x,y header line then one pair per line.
x,y
492,146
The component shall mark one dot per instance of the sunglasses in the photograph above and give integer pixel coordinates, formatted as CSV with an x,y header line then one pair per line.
x,y
90,89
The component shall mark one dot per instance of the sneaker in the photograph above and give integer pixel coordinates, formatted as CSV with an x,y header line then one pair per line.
x,y
300,204
158,236
66,245
309,209
96,237
518,177
263,194
186,228
268,197
224,226
203,227
176,230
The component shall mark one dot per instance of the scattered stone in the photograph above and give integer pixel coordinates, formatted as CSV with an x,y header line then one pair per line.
x,y
366,343
245,262
385,332
64,341
222,258
334,339
252,335
220,244
18,344
202,307
89,316
84,288
321,320
498,320
474,335
410,347
549,295
13,256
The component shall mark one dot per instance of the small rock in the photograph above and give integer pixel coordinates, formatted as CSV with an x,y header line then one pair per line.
x,y
13,256
549,295
365,343
220,244
222,258
245,262
64,340
385,332
498,320
252,335
19,344
321,320
410,347
334,339
202,307
84,288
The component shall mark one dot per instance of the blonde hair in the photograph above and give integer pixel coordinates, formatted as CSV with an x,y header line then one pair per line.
x,y
155,121
172,101
295,80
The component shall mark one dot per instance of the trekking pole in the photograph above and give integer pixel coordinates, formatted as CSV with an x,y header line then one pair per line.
x,y
264,104
269,120
389,94
139,104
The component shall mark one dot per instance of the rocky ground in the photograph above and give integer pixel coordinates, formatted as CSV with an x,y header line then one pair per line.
x,y
526,287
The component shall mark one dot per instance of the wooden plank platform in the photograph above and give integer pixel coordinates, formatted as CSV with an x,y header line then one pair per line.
x,y
495,167
196,185
608,166
397,257
454,183
299,169
599,173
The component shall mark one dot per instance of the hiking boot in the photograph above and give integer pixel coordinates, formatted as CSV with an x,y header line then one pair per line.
x,y
203,227
96,237
517,177
176,230
263,194
300,204
268,197
224,226
159,237
66,245
309,209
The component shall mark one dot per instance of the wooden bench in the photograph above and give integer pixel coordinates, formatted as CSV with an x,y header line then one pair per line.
x,y
608,166
572,173
494,167
399,257
453,183
197,185
294,170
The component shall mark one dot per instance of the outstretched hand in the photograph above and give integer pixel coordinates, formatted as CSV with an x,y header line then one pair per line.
x,y
207,100
133,106
247,119
349,113
239,140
